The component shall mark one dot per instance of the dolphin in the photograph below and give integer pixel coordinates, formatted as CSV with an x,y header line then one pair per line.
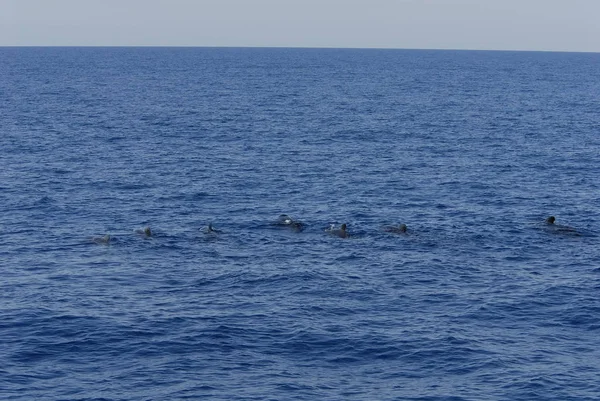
x,y
286,221
401,229
145,231
559,228
341,232
211,230
105,240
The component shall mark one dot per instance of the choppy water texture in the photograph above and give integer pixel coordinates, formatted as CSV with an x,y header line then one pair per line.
x,y
472,150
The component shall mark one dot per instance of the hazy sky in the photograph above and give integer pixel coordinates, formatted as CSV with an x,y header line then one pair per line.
x,y
569,25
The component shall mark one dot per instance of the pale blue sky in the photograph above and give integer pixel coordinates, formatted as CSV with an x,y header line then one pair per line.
x,y
563,25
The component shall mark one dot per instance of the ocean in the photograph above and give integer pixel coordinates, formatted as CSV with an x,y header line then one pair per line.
x,y
480,299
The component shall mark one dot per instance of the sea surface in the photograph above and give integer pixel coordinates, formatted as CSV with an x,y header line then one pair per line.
x,y
479,300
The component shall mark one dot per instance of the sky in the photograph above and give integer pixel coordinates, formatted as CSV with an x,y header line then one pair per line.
x,y
546,25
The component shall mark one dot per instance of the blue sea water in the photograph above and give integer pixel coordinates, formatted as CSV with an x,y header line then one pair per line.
x,y
480,300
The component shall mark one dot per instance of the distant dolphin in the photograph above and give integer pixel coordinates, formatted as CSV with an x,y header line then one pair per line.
x,y
401,229
341,232
145,231
211,230
105,240
559,228
286,221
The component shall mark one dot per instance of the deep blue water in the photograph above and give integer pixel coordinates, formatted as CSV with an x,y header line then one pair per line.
x,y
480,300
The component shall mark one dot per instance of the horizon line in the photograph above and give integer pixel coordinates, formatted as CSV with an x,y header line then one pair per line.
x,y
301,48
